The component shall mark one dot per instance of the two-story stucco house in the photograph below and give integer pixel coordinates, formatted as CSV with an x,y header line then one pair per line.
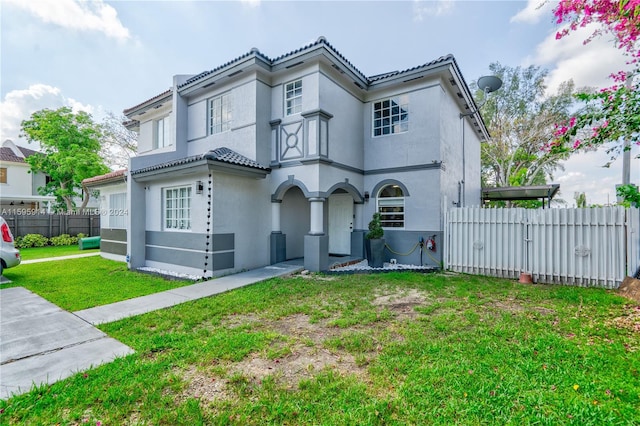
x,y
18,185
263,160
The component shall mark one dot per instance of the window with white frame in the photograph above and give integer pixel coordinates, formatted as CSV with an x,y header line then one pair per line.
x,y
391,116
220,114
161,133
118,210
293,97
390,202
177,208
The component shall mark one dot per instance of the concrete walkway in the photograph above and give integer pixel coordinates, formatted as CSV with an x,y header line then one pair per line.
x,y
41,343
50,259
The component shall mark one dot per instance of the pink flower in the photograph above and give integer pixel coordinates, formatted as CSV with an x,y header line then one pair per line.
x,y
572,122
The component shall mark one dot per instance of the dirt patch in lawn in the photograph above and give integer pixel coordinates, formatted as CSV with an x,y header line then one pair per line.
x,y
305,358
630,320
630,288
402,304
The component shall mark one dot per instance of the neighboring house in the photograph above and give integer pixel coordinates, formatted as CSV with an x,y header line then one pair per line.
x,y
18,186
263,160
114,217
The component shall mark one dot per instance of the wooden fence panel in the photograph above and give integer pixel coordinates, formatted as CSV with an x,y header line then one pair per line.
x,y
52,225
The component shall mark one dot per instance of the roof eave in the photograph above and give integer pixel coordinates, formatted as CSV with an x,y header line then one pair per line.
x,y
233,69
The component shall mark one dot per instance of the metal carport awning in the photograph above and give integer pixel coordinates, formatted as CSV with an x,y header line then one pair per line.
x,y
513,193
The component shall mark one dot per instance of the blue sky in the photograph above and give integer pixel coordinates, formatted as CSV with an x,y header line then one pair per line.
x,y
103,56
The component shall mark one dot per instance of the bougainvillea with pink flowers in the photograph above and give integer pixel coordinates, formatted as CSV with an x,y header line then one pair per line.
x,y
612,114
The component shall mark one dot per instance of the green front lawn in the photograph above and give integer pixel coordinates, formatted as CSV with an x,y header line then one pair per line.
x,y
75,284
398,348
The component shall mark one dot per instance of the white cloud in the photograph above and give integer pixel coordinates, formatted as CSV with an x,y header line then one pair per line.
x,y
569,58
584,172
18,105
77,15
252,4
533,12
431,8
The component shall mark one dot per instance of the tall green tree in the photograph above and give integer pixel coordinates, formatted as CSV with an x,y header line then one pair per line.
x,y
119,143
70,146
521,119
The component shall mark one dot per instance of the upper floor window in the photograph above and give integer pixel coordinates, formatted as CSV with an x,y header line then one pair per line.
x,y
391,116
177,208
220,114
161,138
391,206
293,97
3,175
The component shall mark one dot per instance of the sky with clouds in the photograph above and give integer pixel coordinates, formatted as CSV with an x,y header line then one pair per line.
x,y
105,56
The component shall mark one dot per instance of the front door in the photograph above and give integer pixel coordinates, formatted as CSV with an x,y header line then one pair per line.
x,y
340,223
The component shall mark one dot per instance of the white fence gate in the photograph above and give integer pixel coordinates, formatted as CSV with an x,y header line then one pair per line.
x,y
585,247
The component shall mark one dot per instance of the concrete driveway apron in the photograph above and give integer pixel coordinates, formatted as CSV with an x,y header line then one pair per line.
x,y
42,343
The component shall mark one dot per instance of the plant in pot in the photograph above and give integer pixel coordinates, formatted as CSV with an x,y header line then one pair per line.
x,y
376,241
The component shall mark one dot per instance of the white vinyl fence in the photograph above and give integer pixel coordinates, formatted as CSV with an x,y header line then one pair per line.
x,y
585,247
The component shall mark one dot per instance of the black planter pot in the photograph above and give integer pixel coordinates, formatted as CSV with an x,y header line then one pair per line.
x,y
376,260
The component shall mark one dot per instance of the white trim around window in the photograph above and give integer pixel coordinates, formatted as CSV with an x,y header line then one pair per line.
x,y
220,114
293,97
177,208
390,116
161,132
390,205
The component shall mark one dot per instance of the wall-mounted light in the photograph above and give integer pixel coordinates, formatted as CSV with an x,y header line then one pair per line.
x,y
366,196
199,187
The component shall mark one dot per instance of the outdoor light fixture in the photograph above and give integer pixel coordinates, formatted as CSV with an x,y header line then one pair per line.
x,y
366,195
199,187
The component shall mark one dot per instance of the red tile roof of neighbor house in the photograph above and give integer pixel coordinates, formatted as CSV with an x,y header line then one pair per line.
x,y
118,174
7,154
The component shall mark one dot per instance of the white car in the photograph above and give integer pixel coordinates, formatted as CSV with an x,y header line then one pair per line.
x,y
9,254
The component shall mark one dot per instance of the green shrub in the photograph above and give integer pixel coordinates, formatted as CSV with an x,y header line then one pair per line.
x,y
64,240
81,235
375,227
31,240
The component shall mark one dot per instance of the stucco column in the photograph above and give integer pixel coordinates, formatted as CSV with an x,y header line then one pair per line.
x,y
317,216
275,216
358,212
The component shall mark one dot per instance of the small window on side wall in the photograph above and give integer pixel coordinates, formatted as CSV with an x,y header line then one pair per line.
x,y
177,208
390,205
391,116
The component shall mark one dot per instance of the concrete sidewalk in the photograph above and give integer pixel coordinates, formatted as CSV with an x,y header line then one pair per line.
x,y
165,299
50,259
41,343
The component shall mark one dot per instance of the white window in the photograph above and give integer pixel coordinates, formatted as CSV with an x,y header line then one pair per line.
x,y
161,133
177,208
220,114
391,206
391,116
118,210
293,97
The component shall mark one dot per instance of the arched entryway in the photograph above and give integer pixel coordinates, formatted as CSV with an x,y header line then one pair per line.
x,y
294,221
